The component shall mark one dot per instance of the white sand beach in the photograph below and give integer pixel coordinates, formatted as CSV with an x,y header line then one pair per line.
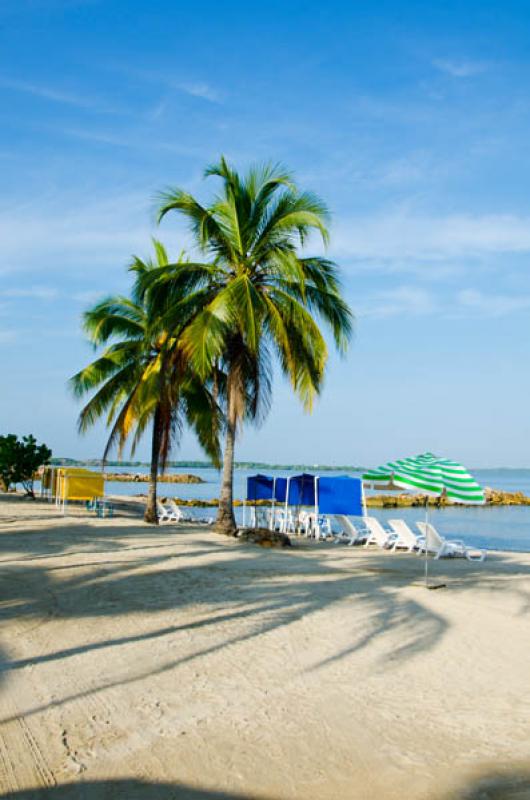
x,y
174,662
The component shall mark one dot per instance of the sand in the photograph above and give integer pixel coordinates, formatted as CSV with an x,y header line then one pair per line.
x,y
175,663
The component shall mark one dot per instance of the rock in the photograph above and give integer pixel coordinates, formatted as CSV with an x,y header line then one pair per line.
x,y
264,537
143,477
494,497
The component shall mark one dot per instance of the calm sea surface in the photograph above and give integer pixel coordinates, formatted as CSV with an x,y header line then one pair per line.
x,y
502,528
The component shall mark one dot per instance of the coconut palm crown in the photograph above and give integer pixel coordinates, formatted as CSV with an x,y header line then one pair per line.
x,y
254,296
142,378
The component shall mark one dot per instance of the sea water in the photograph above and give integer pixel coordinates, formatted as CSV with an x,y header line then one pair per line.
x,y
497,527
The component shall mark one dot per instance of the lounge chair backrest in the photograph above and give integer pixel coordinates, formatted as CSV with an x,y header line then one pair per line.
x,y
432,537
347,525
377,530
404,532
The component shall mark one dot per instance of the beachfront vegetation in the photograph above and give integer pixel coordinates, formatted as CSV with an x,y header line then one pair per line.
x,y
253,298
143,377
196,342
20,460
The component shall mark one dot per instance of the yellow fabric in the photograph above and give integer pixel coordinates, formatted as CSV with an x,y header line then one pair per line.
x,y
82,486
46,478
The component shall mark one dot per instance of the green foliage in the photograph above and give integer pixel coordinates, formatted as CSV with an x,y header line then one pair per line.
x,y
138,379
20,459
258,297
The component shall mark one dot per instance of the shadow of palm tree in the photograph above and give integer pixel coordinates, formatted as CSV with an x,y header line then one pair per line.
x,y
122,790
513,784
268,590
506,785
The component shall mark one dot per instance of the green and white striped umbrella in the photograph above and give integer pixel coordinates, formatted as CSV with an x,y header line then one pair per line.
x,y
430,475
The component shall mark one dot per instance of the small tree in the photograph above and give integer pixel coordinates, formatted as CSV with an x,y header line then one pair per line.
x,y
19,461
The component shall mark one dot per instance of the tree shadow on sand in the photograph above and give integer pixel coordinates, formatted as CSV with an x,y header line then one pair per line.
x,y
122,790
506,785
513,784
249,591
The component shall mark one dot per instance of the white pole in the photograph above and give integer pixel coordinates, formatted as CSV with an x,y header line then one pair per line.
x,y
363,500
427,542
271,519
286,504
317,526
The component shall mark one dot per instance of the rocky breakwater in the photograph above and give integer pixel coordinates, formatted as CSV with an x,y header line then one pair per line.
x,y
494,497
143,477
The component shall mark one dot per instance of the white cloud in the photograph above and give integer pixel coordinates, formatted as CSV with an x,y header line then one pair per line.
x,y
192,87
35,292
402,235
55,95
7,336
402,171
199,89
491,305
415,301
460,68
131,140
401,301
92,238
88,296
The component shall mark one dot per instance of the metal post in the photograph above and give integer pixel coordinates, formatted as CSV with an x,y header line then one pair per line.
x,y
317,526
286,504
272,526
427,542
363,499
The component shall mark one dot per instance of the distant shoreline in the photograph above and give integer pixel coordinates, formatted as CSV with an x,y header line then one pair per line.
x,y
258,465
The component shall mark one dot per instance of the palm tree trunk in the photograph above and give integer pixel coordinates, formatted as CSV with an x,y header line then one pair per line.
x,y
226,522
151,513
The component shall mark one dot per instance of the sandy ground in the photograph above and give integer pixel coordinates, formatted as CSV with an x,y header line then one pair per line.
x,y
175,663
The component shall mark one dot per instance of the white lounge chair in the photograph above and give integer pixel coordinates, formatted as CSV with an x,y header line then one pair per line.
x,y
441,547
287,522
166,513
182,517
350,534
304,523
315,526
406,538
377,534
323,528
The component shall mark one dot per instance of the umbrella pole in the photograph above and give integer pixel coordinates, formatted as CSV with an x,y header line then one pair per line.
x,y
426,542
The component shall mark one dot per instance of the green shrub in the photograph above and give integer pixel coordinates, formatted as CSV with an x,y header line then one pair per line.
x,y
19,461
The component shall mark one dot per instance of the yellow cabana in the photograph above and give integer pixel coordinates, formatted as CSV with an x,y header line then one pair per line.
x,y
76,483
48,481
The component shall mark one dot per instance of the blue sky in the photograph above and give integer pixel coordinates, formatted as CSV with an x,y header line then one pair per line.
x,y
410,119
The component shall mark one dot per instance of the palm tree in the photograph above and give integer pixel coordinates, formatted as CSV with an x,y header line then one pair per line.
x,y
258,296
142,377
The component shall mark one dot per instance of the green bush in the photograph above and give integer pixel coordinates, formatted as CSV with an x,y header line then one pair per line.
x,y
19,461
